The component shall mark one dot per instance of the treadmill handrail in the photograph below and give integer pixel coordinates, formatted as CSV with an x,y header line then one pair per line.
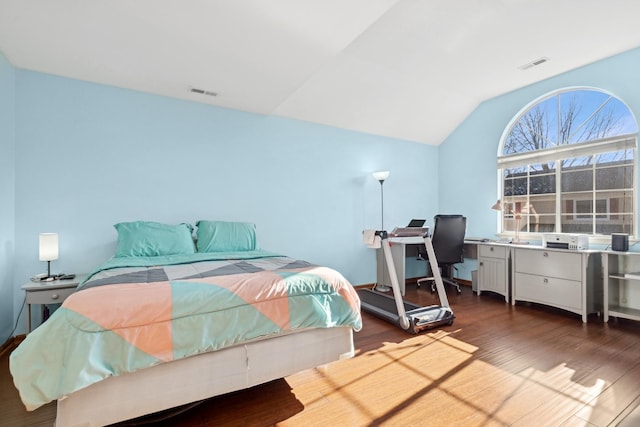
x,y
393,275
435,270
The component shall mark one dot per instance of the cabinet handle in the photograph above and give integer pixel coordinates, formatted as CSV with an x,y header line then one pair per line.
x,y
491,249
481,264
55,296
545,280
545,254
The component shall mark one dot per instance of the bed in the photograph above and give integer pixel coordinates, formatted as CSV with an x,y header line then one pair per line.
x,y
163,324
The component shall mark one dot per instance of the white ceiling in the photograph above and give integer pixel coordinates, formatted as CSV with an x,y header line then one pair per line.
x,y
408,69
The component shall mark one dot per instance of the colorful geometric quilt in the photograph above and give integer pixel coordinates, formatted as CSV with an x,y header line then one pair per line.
x,y
135,313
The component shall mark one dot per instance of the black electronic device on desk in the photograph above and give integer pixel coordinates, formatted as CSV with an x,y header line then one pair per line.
x,y
410,317
415,228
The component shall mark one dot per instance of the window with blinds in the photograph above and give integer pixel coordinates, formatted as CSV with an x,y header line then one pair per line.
x,y
568,164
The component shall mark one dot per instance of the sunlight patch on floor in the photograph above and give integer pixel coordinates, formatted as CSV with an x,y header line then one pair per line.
x,y
438,376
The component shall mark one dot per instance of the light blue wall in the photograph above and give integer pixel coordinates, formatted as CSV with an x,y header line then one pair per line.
x,y
7,200
89,156
468,177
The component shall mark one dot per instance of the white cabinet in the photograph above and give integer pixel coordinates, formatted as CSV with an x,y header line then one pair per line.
x,y
559,278
621,285
493,269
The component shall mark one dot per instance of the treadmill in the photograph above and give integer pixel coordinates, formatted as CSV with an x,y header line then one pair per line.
x,y
409,317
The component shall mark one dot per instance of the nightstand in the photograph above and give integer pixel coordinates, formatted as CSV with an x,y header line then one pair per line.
x,y
54,292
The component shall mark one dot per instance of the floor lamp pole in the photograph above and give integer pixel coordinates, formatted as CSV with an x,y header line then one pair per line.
x,y
380,177
382,204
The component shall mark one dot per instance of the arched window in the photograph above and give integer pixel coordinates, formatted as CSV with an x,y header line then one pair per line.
x,y
568,164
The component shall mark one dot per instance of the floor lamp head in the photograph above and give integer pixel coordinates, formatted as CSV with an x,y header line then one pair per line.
x,y
380,176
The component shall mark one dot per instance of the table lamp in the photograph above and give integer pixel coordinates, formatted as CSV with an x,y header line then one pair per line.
x,y
48,251
497,206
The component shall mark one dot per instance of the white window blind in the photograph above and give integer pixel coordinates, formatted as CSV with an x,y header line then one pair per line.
x,y
612,144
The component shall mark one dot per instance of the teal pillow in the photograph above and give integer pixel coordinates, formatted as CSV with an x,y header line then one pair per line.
x,y
221,236
142,238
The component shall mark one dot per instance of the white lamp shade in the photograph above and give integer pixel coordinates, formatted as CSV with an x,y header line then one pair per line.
x,y
48,246
381,175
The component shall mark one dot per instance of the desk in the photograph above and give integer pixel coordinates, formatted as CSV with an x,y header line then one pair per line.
x,y
398,253
568,279
399,250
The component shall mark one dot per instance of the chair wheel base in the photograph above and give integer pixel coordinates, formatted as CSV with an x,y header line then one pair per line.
x,y
445,281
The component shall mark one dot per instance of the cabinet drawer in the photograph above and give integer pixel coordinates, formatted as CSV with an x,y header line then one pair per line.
x,y
562,265
489,251
549,290
49,296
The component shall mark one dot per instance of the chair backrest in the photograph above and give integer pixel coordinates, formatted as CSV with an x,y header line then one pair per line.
x,y
448,238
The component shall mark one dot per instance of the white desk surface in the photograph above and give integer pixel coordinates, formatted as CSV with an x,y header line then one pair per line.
x,y
411,240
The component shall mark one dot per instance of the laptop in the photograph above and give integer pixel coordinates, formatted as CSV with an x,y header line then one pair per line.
x,y
416,223
415,228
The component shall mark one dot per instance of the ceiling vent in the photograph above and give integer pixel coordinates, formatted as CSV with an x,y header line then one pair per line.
x,y
533,63
203,92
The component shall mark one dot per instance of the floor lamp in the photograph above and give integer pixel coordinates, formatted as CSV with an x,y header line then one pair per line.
x,y
380,176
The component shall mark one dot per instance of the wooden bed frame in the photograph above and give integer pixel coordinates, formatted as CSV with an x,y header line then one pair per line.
x,y
199,377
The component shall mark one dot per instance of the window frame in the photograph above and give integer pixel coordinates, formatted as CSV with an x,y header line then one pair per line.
x,y
556,154
580,216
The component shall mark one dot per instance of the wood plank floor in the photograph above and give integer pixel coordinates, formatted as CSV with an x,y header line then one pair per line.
x,y
498,365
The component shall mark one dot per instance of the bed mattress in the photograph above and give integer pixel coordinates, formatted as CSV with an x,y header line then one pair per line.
x,y
132,314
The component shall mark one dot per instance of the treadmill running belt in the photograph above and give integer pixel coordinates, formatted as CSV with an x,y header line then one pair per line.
x,y
420,318
381,301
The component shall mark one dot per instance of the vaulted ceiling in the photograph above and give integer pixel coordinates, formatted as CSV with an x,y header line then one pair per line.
x,y
408,69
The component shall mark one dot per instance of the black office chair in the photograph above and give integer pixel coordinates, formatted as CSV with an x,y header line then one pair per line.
x,y
447,240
